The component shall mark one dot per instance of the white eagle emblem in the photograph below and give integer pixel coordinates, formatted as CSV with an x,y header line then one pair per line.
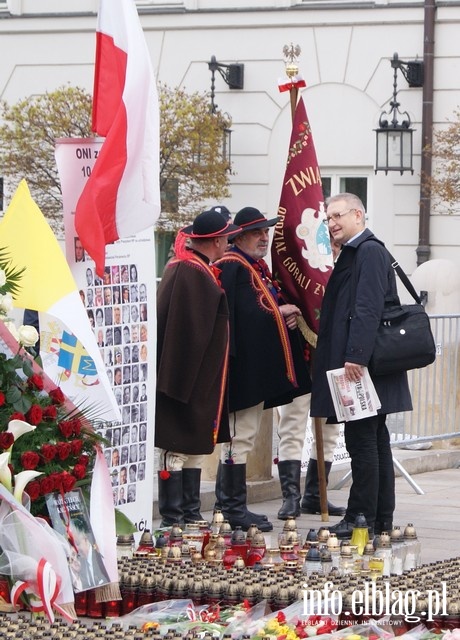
x,y
314,233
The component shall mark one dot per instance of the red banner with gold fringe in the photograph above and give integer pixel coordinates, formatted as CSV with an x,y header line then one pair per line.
x,y
301,250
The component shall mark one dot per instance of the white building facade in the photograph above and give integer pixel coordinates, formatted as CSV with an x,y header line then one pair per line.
x,y
345,60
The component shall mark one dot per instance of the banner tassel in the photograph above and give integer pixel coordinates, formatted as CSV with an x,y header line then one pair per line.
x,y
108,592
69,609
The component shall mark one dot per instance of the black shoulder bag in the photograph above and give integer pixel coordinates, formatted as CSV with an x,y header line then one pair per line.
x,y
404,338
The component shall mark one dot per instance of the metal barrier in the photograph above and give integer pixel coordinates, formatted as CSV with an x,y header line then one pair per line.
x,y
435,391
435,396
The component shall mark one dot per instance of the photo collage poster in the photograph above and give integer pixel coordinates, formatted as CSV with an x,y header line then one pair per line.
x,y
117,307
121,307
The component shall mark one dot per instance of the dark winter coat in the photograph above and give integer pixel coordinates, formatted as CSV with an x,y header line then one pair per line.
x,y
347,335
266,358
192,359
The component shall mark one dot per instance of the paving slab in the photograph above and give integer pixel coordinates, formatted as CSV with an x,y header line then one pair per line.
x,y
435,513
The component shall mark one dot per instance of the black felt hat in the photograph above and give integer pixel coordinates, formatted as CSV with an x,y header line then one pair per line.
x,y
220,208
250,218
210,224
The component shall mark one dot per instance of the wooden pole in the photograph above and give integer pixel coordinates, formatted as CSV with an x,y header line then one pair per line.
x,y
294,92
318,422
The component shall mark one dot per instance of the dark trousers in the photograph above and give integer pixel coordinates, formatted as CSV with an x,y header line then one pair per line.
x,y
373,488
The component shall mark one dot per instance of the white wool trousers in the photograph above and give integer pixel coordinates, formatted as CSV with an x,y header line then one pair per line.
x,y
244,427
291,429
178,461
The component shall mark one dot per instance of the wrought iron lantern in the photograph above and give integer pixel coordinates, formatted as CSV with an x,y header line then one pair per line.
x,y
233,75
394,137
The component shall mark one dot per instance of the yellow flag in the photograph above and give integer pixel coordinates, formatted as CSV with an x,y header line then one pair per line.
x,y
30,243
47,284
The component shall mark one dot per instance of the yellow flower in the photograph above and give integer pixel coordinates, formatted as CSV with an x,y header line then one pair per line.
x,y
150,625
272,625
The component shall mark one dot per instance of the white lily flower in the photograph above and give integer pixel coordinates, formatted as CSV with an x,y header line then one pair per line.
x,y
21,480
2,278
19,427
5,471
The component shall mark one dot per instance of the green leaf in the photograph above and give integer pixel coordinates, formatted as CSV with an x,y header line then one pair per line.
x,y
13,363
23,404
123,524
27,368
13,395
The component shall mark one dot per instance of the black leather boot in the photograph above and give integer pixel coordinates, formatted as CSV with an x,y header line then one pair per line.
x,y
191,502
310,501
289,473
220,496
218,490
170,499
234,496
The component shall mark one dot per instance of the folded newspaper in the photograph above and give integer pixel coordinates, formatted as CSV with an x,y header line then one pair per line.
x,y
352,400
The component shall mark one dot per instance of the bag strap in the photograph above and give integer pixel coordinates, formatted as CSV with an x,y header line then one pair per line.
x,y
398,269
404,279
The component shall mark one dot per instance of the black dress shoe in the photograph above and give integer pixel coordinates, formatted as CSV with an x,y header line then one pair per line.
x,y
313,508
342,529
385,525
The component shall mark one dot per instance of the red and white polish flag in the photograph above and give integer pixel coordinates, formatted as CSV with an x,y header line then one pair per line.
x,y
122,195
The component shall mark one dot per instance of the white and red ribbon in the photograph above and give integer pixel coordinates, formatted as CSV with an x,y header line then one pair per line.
x,y
286,83
44,591
23,538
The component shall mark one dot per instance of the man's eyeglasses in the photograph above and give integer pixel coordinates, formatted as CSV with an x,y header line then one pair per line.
x,y
336,216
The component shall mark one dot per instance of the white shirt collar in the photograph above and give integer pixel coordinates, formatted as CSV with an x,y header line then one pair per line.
x,y
354,237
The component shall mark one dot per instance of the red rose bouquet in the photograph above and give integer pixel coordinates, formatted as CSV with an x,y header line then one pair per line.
x,y
60,448
58,442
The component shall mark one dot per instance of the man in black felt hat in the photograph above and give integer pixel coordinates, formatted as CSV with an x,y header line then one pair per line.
x,y
220,208
266,365
192,364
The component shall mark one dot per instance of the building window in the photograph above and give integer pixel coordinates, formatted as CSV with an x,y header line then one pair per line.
x,y
333,184
170,195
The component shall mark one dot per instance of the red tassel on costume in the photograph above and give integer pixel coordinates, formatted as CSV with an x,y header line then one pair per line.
x,y
180,246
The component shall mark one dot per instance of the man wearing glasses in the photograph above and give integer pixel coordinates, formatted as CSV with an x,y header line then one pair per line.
x,y
346,339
